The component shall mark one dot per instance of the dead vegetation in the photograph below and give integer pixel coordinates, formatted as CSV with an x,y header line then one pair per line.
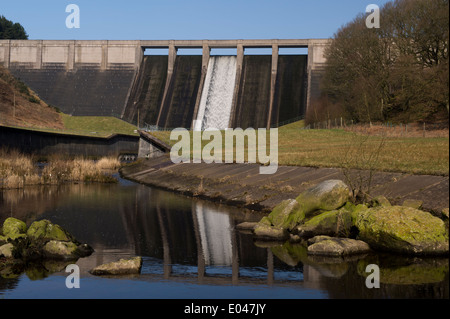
x,y
18,170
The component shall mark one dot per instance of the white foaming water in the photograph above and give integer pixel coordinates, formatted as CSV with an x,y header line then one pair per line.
x,y
217,96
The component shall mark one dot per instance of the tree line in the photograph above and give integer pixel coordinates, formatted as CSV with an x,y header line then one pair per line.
x,y
397,72
11,30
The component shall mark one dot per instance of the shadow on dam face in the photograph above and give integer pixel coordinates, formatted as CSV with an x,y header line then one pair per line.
x,y
148,90
291,88
86,91
178,109
253,99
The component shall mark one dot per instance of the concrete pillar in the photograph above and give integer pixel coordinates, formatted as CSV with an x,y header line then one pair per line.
x,y
273,82
7,54
104,64
139,56
170,67
309,71
205,61
237,84
38,64
71,56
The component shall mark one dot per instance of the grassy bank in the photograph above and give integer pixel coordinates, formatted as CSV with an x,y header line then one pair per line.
x,y
97,125
346,149
18,170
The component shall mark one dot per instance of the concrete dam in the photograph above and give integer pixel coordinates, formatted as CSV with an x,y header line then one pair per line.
x,y
117,78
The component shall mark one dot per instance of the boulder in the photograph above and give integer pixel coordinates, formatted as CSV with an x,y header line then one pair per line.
x,y
65,250
122,267
6,250
327,195
268,232
381,201
45,230
413,203
331,223
403,230
336,247
60,249
14,228
286,215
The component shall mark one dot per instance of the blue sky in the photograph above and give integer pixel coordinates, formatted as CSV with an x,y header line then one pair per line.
x,y
184,19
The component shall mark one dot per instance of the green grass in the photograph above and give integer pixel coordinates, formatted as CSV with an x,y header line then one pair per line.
x,y
339,148
96,125
101,126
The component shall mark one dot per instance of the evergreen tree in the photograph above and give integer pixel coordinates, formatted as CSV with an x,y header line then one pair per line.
x,y
10,30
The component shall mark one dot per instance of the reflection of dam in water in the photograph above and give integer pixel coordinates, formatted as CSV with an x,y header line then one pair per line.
x,y
116,78
215,233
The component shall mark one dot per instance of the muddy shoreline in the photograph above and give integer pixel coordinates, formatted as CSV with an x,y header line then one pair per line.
x,y
241,185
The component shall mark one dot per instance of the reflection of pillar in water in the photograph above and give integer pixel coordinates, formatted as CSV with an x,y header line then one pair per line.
x,y
215,234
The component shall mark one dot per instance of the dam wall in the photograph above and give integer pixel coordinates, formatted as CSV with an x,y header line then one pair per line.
x,y
48,143
115,78
78,77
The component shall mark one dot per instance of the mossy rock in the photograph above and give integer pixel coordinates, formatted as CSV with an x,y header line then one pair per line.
x,y
327,195
64,250
45,230
331,223
268,232
336,247
14,228
381,201
129,266
414,203
286,215
402,230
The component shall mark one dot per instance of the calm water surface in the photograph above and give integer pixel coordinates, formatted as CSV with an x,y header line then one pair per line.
x,y
190,249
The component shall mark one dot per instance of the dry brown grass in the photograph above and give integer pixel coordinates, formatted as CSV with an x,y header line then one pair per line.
x,y
18,170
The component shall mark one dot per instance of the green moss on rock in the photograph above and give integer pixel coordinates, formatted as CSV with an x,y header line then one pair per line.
x,y
328,195
45,230
402,230
14,228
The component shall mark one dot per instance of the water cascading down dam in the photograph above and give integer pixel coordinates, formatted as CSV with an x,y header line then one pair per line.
x,y
115,78
217,96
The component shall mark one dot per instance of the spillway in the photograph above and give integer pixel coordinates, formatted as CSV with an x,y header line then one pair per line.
x,y
217,96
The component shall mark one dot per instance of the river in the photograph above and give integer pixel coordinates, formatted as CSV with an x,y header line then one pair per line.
x,y
191,249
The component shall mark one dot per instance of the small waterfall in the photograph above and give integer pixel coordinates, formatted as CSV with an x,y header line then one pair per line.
x,y
217,96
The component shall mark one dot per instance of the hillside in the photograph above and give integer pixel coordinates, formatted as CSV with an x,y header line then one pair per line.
x,y
19,106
